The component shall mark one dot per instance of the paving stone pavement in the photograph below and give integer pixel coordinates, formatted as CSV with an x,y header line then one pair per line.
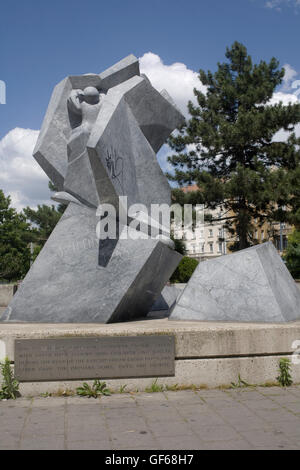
x,y
238,419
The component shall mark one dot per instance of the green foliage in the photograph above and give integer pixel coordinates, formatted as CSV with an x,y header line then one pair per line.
x,y
234,158
179,245
292,256
184,270
240,383
285,378
172,388
17,231
122,389
54,189
98,388
154,387
15,236
10,386
44,220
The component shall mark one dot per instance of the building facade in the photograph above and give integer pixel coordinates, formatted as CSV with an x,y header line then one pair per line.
x,y
207,240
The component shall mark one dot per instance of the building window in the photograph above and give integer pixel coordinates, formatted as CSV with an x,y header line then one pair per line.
x,y
220,233
211,247
220,247
210,233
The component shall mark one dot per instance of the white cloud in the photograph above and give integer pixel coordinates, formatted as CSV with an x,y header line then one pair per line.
x,y
20,175
26,183
282,135
177,79
278,4
285,98
23,179
289,77
290,89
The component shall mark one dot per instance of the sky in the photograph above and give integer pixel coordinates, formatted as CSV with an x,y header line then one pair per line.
x,y
42,42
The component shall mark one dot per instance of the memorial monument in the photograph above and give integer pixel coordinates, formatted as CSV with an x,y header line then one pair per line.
x,y
98,145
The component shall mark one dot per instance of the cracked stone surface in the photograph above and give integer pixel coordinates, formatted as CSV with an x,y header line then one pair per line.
x,y
66,284
252,285
98,142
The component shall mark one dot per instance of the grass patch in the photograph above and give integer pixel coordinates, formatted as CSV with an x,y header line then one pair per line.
x,y
240,383
155,387
285,378
96,390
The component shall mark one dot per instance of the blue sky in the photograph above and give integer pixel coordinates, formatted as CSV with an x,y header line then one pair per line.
x,y
41,42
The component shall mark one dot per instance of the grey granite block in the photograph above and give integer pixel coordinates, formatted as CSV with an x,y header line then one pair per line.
x,y
66,284
251,285
166,299
133,122
80,182
120,72
51,147
98,142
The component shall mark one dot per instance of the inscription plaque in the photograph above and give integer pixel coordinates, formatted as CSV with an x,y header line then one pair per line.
x,y
38,360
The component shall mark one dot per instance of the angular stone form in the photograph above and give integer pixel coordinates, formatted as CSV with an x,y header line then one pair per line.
x,y
155,114
135,171
51,148
98,142
134,121
80,182
66,284
167,298
120,72
252,285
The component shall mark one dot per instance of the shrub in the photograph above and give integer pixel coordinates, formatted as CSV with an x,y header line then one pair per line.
x,y
184,270
292,256
10,386
285,378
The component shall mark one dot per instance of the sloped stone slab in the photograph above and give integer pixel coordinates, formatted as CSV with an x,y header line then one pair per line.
x,y
252,285
66,284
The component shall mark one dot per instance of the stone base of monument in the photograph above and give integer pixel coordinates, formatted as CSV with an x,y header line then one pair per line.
x,y
207,354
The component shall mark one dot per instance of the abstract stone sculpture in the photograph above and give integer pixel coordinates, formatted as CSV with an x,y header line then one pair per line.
x,y
252,285
98,142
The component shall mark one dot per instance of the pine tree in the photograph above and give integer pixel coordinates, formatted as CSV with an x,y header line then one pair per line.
x,y
227,146
292,255
61,207
44,219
